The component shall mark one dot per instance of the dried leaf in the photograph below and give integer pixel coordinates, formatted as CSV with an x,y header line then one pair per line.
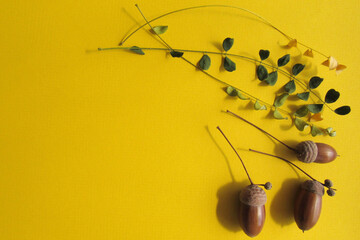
x,y
176,54
264,54
228,43
205,62
259,106
272,78
331,63
159,29
262,72
315,82
315,108
229,65
137,50
277,115
290,87
280,100
315,131
292,43
316,117
332,96
309,53
297,68
283,60
340,68
231,91
344,110
300,124
302,112
303,96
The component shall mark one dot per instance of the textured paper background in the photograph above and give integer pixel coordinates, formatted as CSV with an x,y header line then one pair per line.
x,y
113,145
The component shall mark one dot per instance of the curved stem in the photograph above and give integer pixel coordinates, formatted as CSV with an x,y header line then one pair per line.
x,y
262,130
276,68
221,6
236,154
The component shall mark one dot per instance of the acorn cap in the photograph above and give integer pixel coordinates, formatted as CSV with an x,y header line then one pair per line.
x,y
307,151
313,186
253,195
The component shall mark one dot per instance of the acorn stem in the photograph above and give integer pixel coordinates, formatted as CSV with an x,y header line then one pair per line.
x,y
247,173
292,149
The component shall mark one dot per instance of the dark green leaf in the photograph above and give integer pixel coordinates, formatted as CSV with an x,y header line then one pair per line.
x,y
300,124
283,60
331,96
262,72
272,78
231,91
137,50
176,54
259,106
229,65
264,54
205,62
315,108
278,115
297,68
303,96
343,110
315,82
290,87
227,44
280,100
315,131
302,112
159,29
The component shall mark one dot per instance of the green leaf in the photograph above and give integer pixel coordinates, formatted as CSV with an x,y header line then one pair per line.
x,y
205,62
283,60
332,96
343,110
290,87
280,100
231,91
302,112
229,65
264,54
137,50
259,106
300,124
315,82
297,68
303,96
315,131
241,96
315,108
228,43
272,78
262,72
176,54
330,132
159,29
278,115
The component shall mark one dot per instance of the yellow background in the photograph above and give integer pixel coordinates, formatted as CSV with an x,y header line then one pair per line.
x,y
114,145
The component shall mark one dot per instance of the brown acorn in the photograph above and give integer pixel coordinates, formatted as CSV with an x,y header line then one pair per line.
x,y
308,204
252,210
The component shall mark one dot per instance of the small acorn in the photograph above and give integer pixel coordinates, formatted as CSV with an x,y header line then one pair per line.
x,y
307,151
252,209
308,204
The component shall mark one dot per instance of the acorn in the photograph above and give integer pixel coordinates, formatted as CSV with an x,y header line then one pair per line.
x,y
307,151
308,204
252,210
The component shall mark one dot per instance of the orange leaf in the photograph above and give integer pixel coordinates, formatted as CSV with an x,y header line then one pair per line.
x,y
292,43
309,53
316,117
340,68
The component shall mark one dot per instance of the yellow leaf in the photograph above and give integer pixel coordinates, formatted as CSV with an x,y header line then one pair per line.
x,y
340,68
309,53
316,117
331,63
292,43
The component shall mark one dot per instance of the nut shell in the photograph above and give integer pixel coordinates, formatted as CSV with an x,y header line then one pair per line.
x,y
253,195
313,186
307,151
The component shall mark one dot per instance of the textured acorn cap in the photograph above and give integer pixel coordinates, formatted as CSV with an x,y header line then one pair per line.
x,y
313,186
307,151
253,195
